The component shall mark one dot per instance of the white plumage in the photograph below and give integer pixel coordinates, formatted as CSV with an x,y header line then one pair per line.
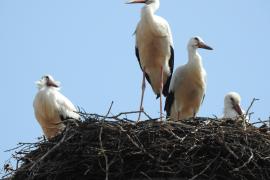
x,y
232,106
51,107
154,50
188,84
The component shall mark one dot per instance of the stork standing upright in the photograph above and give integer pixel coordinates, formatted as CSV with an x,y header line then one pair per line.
x,y
154,50
232,108
51,107
188,84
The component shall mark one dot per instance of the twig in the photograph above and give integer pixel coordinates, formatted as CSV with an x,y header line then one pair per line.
x,y
130,112
19,146
116,117
251,104
246,163
145,175
203,171
140,147
23,144
230,150
260,122
180,123
101,144
51,150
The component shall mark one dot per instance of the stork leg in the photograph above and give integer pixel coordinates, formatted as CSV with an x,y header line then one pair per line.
x,y
194,114
160,92
142,96
178,116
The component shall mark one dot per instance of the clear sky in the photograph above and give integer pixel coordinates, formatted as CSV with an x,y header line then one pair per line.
x,y
89,47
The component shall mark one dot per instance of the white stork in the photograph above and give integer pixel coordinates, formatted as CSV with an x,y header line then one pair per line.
x,y
51,107
154,50
188,84
232,107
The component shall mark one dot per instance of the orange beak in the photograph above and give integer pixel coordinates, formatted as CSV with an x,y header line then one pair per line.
x,y
204,46
136,1
51,83
238,109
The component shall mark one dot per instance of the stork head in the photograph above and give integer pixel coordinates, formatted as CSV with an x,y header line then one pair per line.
x,y
232,102
47,81
141,1
197,42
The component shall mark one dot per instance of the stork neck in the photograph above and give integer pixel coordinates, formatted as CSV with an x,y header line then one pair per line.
x,y
49,88
149,9
228,108
194,58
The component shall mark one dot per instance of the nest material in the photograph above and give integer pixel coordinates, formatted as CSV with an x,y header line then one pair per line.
x,y
99,149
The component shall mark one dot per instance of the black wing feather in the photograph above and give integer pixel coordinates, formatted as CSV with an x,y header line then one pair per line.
x,y
139,61
168,103
171,64
203,99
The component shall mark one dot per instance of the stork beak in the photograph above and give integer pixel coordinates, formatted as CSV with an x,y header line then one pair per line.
x,y
135,1
204,46
238,109
52,83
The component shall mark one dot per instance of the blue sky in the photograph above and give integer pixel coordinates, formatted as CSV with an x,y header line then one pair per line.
x,y
89,47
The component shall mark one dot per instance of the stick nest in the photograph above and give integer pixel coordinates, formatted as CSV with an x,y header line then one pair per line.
x,y
117,149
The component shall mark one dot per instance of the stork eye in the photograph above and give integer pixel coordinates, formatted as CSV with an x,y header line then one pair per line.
x,y
197,39
232,99
46,77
